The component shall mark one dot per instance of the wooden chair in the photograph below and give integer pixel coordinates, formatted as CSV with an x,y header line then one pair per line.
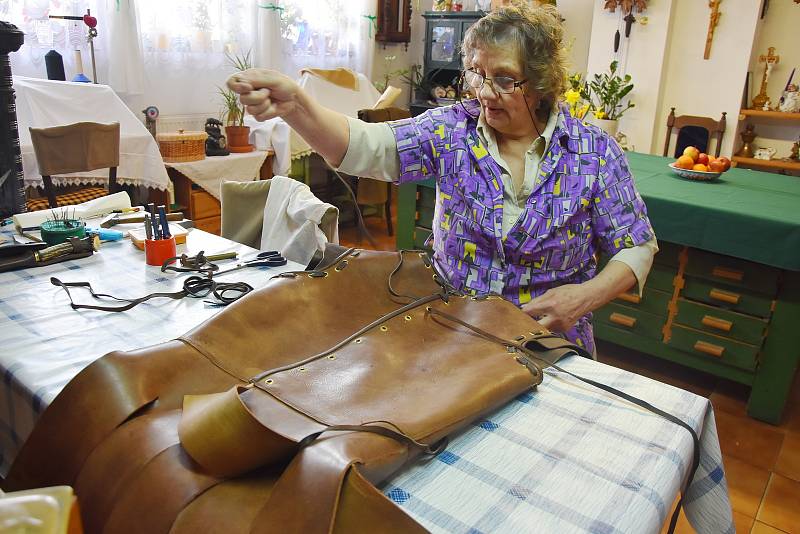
x,y
698,132
242,212
78,147
375,192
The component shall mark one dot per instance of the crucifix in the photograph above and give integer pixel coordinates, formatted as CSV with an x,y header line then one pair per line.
x,y
713,20
770,60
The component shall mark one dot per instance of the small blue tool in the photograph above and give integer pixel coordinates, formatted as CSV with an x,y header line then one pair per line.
x,y
105,234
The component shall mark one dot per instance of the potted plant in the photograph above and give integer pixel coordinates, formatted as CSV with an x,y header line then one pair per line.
x,y
238,135
606,93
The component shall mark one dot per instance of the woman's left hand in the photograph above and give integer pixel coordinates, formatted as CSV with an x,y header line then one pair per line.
x,y
561,307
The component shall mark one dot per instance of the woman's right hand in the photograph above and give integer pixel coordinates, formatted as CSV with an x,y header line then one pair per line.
x,y
265,93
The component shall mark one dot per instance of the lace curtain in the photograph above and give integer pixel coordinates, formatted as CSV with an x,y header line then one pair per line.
x,y
194,35
43,34
179,40
316,33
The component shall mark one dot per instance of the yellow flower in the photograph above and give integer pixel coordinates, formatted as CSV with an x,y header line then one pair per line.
x,y
600,114
572,97
582,111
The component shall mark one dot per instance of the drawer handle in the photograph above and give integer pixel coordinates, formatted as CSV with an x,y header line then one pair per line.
x,y
629,297
716,322
729,274
709,348
724,296
623,320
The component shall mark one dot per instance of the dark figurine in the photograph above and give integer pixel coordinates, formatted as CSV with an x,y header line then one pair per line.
x,y
216,143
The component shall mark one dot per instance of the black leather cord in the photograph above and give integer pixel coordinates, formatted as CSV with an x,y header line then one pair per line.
x,y
193,286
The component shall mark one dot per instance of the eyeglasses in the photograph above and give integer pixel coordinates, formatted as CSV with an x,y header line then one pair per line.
x,y
500,84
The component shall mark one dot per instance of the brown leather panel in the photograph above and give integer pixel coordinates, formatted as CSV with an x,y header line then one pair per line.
x,y
370,379
210,513
125,453
102,397
300,325
306,497
220,434
365,510
153,499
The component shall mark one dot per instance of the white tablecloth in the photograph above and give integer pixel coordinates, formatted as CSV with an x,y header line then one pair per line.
x,y
46,103
564,458
209,173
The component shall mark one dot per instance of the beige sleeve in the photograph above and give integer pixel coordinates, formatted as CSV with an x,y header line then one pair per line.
x,y
639,259
372,151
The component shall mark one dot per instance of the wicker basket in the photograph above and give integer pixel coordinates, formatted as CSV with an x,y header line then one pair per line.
x,y
181,146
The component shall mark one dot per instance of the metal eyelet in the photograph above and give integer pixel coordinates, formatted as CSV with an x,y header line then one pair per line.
x,y
268,381
407,317
342,265
519,338
318,274
384,328
358,340
302,369
331,356
428,308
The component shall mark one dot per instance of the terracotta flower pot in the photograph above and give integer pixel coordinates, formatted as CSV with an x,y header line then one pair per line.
x,y
238,138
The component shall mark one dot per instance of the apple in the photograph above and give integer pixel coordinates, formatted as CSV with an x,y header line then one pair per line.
x,y
702,158
717,165
684,162
692,152
725,161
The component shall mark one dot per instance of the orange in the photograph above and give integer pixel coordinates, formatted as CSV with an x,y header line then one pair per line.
x,y
700,167
684,162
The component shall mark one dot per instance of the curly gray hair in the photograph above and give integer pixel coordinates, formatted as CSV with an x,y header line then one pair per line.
x,y
536,35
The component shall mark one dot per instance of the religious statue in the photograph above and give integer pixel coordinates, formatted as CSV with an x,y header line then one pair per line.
x,y
790,101
761,101
216,143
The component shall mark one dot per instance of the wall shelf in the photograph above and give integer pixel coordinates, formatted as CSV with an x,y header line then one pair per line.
x,y
768,163
768,114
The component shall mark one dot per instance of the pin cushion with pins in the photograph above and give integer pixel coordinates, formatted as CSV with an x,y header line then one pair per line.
x,y
58,231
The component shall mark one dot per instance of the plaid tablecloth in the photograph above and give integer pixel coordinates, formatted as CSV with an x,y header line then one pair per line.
x,y
563,458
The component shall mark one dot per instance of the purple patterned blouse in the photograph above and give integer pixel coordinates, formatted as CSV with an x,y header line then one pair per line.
x,y
583,201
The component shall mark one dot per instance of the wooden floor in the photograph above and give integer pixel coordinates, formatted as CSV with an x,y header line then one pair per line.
x,y
762,462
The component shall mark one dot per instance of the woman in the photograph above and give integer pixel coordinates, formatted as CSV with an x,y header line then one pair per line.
x,y
527,195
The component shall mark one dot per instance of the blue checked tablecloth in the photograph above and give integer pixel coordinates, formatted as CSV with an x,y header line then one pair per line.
x,y
563,458
568,457
44,342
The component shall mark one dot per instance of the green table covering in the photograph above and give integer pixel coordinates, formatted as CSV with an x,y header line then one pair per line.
x,y
747,214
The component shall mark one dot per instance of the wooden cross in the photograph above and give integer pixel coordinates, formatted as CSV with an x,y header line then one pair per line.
x,y
713,20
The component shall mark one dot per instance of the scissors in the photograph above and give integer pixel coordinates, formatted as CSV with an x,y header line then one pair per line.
x,y
270,258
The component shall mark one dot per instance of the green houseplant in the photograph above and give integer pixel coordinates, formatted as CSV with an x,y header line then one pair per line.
x,y
233,111
607,93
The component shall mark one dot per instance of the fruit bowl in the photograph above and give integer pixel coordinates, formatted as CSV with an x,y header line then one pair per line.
x,y
689,174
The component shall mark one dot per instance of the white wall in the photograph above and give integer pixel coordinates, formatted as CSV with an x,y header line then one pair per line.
x,y
577,31
695,86
665,59
639,55
778,28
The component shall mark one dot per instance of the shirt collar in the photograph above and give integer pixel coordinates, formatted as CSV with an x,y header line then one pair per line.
x,y
554,120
